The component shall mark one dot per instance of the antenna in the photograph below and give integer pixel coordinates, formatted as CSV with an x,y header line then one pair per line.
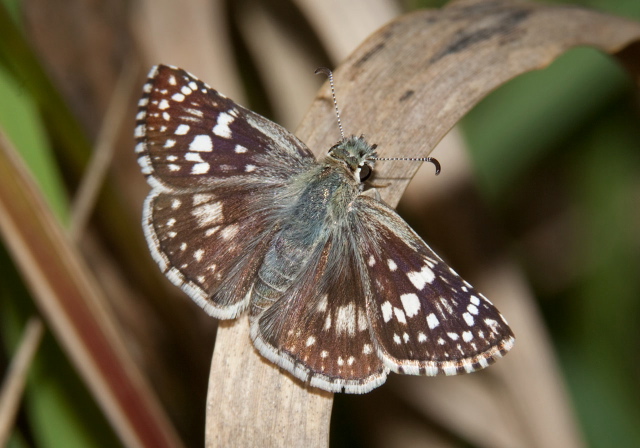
x,y
328,72
414,159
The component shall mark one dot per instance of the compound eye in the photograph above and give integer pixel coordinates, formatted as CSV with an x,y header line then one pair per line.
x,y
365,172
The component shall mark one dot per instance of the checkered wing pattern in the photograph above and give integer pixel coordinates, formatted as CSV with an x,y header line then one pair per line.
x,y
425,319
341,290
214,167
319,330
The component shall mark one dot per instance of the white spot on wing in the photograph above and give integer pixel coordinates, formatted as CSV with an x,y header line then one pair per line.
x,y
139,132
432,321
468,318
201,143
420,279
327,322
431,371
182,129
201,198
387,311
211,230
193,157
400,315
145,164
194,112
392,265
411,304
449,370
363,323
200,168
208,214
229,231
445,303
346,319
222,129
492,324
322,304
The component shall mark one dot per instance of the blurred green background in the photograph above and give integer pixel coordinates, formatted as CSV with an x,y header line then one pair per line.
x,y
557,152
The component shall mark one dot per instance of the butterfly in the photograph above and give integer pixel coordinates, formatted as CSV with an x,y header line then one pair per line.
x,y
339,289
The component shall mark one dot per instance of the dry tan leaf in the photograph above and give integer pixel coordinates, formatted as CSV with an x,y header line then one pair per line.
x,y
283,63
342,26
192,35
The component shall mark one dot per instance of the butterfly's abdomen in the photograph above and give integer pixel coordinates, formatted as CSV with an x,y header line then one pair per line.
x,y
305,226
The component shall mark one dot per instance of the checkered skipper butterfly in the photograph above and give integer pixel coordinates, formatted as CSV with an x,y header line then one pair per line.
x,y
340,290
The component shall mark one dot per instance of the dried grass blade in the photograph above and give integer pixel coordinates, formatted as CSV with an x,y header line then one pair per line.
x,y
72,302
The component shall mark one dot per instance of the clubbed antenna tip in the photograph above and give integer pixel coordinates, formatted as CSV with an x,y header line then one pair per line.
x,y
415,159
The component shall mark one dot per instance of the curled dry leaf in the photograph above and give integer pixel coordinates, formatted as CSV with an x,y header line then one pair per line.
x,y
404,87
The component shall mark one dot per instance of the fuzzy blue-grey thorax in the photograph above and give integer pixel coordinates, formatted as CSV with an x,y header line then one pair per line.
x,y
358,155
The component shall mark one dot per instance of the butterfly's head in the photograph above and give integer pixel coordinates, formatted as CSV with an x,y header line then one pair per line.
x,y
358,156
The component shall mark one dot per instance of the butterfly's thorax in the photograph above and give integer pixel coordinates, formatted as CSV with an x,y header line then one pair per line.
x,y
316,204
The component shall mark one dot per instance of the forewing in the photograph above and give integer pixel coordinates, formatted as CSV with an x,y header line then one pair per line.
x,y
190,136
425,319
318,330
